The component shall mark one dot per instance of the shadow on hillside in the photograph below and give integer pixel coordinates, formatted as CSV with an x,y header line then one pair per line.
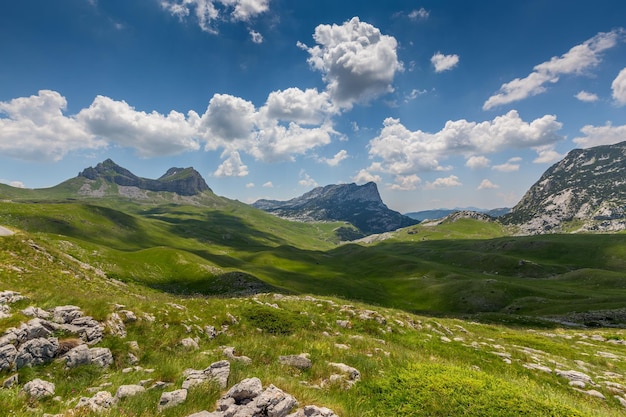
x,y
218,228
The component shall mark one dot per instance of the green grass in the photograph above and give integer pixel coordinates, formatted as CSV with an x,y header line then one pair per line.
x,y
406,366
210,254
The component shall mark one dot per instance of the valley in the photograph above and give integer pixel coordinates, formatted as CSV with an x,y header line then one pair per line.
x,y
497,322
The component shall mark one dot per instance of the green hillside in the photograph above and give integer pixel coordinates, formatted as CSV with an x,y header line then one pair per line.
x,y
461,311
409,365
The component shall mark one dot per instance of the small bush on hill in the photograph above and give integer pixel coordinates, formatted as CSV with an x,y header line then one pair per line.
x,y
272,320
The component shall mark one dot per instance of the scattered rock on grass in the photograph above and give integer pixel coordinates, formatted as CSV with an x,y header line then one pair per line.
x,y
38,388
172,398
300,361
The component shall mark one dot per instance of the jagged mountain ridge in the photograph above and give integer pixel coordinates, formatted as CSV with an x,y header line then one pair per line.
x,y
359,205
588,186
182,181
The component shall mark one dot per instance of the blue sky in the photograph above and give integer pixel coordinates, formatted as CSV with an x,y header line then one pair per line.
x,y
441,103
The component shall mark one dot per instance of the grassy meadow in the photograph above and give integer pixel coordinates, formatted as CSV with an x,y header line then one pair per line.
x,y
463,309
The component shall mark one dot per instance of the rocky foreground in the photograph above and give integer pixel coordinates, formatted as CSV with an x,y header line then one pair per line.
x,y
65,334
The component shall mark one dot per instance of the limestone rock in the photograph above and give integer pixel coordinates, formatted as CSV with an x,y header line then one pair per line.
x,y
575,376
38,388
101,357
230,353
349,376
313,411
101,401
80,355
36,312
66,314
172,398
210,332
116,325
189,343
8,353
247,389
217,371
297,361
36,352
128,391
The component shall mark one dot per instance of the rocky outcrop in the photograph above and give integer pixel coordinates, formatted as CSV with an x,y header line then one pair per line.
x,y
217,371
588,187
38,388
33,343
359,205
182,181
248,398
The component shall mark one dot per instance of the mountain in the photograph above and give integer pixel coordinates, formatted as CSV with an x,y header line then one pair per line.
x,y
359,205
586,191
440,213
182,181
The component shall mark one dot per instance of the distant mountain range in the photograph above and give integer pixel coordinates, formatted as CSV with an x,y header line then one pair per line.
x,y
440,213
586,191
359,205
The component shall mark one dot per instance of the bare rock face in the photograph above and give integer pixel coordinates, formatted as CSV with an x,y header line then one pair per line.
x,y
36,352
182,181
588,185
359,205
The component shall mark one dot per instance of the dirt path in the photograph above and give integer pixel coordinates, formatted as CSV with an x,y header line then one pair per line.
x,y
5,232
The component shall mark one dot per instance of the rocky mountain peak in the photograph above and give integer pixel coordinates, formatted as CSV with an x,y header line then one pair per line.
x,y
587,186
182,181
359,205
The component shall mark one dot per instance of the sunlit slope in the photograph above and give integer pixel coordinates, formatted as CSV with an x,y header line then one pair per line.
x,y
409,365
465,267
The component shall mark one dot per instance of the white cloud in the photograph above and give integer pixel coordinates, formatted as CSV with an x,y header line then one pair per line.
x,y
232,166
36,129
547,155
209,12
306,180
150,134
586,96
406,182
487,185
268,184
365,176
577,60
404,152
477,162
255,36
228,119
357,62
443,62
512,165
420,13
619,87
451,181
335,160
250,185
294,105
601,135
16,184
414,94
234,123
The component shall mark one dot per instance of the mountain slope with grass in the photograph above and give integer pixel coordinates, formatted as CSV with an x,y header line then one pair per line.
x,y
352,358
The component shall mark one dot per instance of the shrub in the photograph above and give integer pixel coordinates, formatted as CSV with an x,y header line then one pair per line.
x,y
274,321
